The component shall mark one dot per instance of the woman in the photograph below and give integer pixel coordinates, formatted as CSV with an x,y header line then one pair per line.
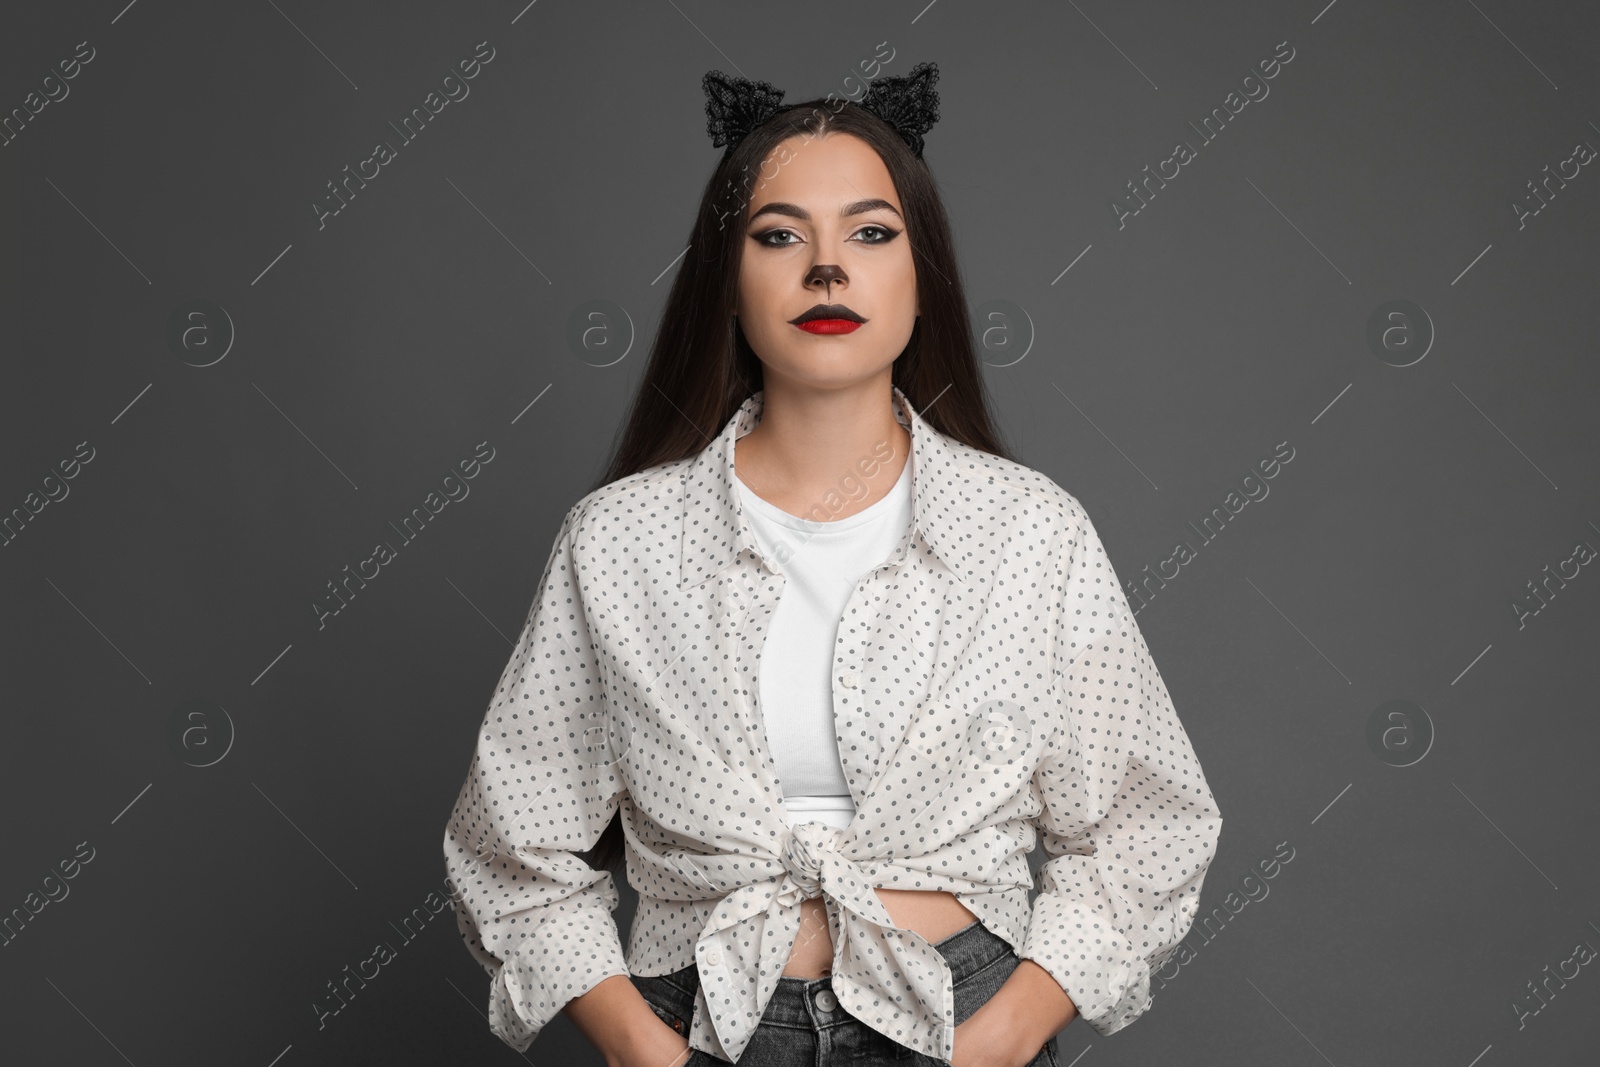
x,y
827,674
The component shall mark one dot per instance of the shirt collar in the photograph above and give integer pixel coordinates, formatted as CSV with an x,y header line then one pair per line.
x,y
715,530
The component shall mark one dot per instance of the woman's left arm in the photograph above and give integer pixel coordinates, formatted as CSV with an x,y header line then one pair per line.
x,y
1014,1024
1127,818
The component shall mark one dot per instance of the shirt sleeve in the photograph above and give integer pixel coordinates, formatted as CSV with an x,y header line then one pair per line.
x,y
540,787
1127,820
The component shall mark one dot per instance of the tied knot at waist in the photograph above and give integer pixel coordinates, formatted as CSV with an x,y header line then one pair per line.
x,y
752,931
802,851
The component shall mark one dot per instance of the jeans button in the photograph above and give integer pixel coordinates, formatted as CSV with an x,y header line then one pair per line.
x,y
826,1001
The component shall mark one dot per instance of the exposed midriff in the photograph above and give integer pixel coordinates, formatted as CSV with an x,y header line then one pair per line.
x,y
935,914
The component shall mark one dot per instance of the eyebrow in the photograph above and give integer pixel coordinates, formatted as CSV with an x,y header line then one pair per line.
x,y
779,207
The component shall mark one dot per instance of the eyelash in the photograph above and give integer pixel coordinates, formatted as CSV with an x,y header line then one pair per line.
x,y
761,238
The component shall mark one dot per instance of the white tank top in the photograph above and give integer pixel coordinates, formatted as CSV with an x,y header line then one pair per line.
x,y
821,563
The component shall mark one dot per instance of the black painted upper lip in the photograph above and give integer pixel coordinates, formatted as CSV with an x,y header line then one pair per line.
x,y
827,311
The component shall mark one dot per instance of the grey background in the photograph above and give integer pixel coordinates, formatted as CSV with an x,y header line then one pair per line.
x,y
367,357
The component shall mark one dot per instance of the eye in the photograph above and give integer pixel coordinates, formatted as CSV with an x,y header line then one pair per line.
x,y
762,238
888,234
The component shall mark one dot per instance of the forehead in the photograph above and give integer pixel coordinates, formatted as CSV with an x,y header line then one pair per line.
x,y
832,169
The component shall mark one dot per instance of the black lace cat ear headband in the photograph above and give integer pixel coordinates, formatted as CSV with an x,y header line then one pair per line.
x,y
735,106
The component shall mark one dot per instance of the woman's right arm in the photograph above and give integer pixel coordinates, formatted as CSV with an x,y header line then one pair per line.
x,y
617,1020
541,787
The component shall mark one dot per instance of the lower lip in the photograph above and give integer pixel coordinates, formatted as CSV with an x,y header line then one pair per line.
x,y
829,326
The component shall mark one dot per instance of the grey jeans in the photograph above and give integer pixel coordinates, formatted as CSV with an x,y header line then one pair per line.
x,y
805,1026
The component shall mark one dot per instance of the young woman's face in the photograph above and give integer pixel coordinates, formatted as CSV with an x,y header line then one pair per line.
x,y
825,227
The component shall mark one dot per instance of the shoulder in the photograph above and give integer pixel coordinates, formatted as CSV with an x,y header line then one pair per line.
x,y
999,479
640,502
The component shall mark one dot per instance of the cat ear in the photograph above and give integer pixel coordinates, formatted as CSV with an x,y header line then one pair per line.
x,y
907,102
735,106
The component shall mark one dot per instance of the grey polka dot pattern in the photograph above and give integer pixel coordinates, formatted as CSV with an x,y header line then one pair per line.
x,y
990,686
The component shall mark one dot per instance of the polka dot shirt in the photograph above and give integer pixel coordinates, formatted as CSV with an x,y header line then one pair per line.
x,y
989,687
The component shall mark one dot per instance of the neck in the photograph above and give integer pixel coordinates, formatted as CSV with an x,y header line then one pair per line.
x,y
842,449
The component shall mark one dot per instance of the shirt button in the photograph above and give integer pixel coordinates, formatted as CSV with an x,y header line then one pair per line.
x,y
826,1001
714,958
849,679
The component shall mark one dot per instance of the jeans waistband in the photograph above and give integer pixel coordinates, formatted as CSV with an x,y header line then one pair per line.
x,y
801,1002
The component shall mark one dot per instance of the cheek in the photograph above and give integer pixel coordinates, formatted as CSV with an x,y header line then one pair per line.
x,y
902,269
757,284
905,283
758,304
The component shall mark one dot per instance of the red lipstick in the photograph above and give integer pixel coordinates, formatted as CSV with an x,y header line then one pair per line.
x,y
827,318
829,326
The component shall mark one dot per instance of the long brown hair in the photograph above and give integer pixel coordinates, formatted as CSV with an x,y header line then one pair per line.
x,y
701,367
